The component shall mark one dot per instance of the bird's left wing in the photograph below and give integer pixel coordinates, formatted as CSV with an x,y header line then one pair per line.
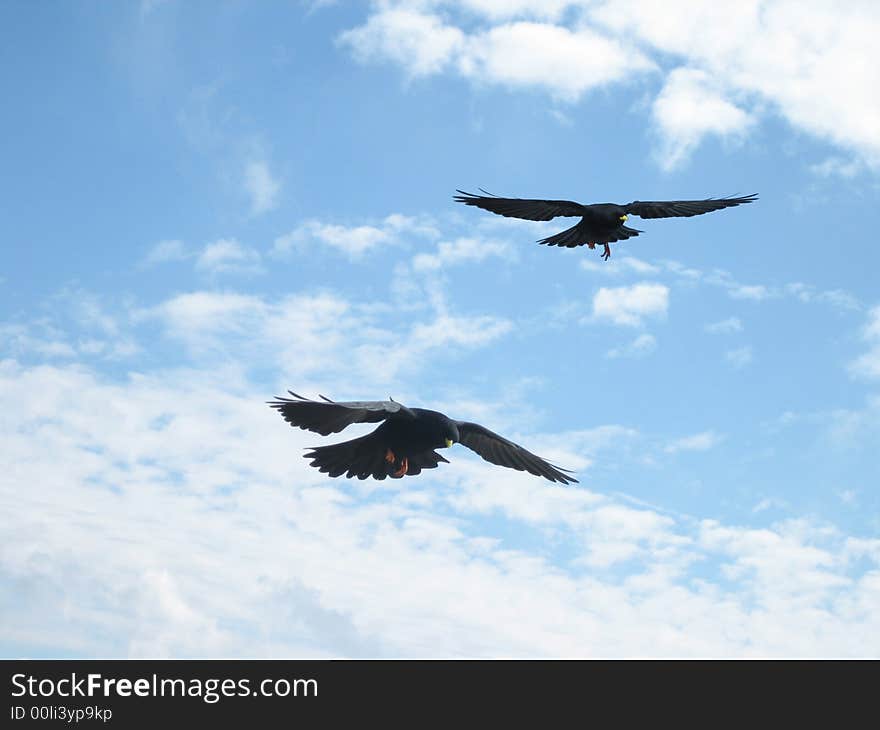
x,y
683,208
498,450
531,210
327,416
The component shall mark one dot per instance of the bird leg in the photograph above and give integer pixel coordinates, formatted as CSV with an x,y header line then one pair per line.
x,y
404,467
607,254
391,458
591,244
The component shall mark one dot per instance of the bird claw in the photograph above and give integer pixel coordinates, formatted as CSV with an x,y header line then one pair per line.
x,y
607,254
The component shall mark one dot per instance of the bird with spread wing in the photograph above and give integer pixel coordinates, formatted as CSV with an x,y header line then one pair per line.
x,y
599,222
404,443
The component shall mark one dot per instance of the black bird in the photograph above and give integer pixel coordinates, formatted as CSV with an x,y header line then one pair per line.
x,y
600,222
404,444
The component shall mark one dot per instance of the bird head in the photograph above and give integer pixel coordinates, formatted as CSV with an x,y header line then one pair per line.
x,y
450,435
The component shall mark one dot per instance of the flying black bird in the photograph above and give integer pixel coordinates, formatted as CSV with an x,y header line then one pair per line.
x,y
600,222
404,443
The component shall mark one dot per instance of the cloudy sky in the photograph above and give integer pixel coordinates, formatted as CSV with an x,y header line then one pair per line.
x,y
204,204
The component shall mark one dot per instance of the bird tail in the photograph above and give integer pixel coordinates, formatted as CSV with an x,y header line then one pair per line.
x,y
579,235
570,237
365,457
361,457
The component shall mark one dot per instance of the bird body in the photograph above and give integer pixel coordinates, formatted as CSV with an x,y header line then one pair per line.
x,y
599,222
410,436
405,441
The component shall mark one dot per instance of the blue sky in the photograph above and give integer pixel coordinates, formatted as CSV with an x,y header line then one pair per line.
x,y
205,204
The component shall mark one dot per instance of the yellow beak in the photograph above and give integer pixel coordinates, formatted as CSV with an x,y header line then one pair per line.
x,y
624,217
448,443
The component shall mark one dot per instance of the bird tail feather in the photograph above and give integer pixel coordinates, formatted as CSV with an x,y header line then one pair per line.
x,y
569,238
365,457
579,235
361,457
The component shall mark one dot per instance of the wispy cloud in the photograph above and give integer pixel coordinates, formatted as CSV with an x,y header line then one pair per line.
x,y
460,250
227,256
166,251
262,187
698,442
868,365
353,241
620,265
642,345
725,326
739,357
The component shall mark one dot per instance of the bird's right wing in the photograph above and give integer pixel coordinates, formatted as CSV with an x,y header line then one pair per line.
x,y
531,210
499,450
327,416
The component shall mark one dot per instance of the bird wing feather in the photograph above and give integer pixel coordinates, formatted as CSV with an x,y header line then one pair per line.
x,y
327,416
683,208
528,209
503,452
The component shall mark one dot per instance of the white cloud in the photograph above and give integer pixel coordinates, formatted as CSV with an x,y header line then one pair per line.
x,y
778,54
620,265
149,6
835,166
538,55
353,241
868,365
449,253
722,69
806,293
513,9
698,442
725,326
228,256
628,305
81,326
448,330
739,357
316,336
770,503
166,251
837,298
421,43
18,340
642,345
262,187
690,107
517,54
756,292
166,518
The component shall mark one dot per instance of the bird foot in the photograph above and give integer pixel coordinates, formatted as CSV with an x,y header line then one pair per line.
x,y
607,254
391,458
591,244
